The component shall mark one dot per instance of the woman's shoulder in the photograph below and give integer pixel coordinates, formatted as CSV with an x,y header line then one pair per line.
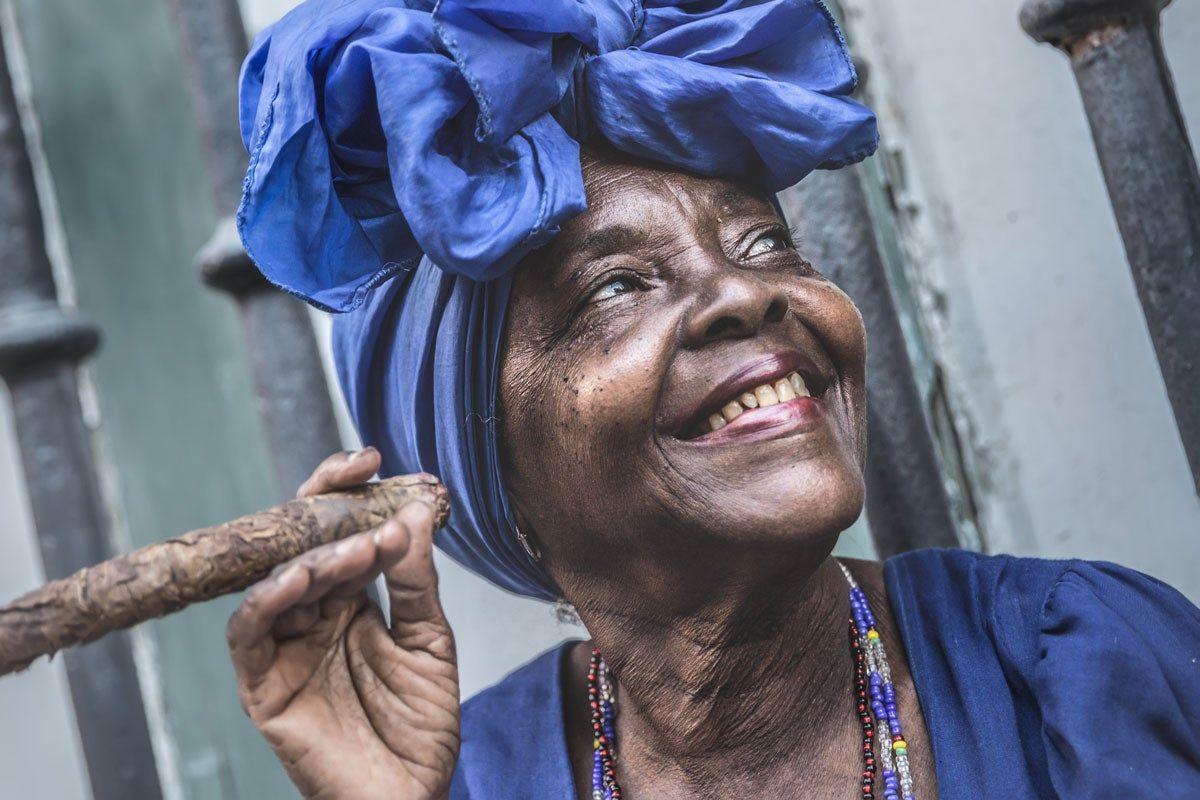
x,y
1091,668
513,740
1021,600
1033,613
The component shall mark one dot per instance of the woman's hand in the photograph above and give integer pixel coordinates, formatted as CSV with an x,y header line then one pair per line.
x,y
352,708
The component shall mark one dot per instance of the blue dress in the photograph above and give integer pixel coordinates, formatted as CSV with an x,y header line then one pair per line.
x,y
1038,679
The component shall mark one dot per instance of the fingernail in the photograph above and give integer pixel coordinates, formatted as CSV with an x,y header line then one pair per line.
x,y
361,454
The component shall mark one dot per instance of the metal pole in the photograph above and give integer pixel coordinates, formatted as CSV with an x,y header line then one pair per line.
x,y
907,503
41,345
288,378
1116,53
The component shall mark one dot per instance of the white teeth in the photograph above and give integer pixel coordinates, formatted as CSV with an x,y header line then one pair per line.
x,y
798,384
783,390
766,396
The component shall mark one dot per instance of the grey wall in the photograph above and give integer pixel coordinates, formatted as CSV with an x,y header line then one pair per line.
x,y
1024,287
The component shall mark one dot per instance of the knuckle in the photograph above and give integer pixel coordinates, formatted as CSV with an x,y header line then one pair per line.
x,y
232,627
245,701
417,514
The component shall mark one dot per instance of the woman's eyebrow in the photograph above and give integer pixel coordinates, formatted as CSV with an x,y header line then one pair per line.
x,y
609,240
606,241
726,199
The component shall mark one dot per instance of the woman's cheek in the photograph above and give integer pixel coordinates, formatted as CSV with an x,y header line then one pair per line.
x,y
620,378
844,330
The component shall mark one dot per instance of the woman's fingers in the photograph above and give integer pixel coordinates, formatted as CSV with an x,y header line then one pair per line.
x,y
289,603
296,621
333,566
412,584
281,605
318,592
251,646
341,471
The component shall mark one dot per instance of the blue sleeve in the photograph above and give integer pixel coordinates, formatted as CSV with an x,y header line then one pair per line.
x,y
1117,680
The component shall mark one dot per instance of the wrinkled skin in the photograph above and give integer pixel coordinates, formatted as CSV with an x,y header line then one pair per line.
x,y
699,563
664,287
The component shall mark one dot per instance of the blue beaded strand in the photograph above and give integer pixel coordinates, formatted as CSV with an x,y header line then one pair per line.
x,y
893,748
604,739
877,710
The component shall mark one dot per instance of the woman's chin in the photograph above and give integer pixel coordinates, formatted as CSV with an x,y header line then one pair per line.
x,y
799,453
809,508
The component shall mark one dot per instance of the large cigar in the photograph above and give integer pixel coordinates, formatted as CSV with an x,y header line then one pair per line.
x,y
163,578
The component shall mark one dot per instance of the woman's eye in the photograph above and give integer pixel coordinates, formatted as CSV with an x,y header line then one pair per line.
x,y
768,243
612,288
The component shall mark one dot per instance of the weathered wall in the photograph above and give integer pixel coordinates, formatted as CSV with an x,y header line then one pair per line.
x,y
1026,293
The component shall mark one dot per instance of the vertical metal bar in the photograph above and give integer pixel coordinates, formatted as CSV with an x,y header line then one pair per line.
x,y
40,347
907,503
1116,53
288,377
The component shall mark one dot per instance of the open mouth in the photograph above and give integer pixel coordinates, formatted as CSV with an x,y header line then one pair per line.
x,y
787,389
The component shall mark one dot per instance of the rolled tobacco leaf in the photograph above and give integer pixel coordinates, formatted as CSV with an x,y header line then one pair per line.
x,y
163,578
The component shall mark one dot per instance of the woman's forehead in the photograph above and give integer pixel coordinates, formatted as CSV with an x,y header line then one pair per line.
x,y
632,204
628,201
610,177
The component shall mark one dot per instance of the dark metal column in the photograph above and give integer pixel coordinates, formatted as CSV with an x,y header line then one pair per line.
x,y
1116,52
289,380
907,504
40,347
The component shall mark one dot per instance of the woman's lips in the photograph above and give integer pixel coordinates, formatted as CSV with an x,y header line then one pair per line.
x,y
780,419
764,395
765,381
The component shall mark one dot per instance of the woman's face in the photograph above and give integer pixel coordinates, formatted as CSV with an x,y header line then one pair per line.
x,y
651,394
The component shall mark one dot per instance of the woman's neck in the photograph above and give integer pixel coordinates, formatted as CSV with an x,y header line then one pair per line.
x,y
729,689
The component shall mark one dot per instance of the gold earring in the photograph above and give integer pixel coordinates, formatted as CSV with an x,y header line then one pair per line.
x,y
529,546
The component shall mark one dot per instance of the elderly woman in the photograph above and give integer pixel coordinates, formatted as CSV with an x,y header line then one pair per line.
x,y
569,293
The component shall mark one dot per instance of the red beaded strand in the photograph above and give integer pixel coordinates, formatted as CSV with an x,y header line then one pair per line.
x,y
604,784
864,715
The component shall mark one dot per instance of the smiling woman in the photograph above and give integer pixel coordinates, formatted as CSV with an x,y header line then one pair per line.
x,y
569,294
716,304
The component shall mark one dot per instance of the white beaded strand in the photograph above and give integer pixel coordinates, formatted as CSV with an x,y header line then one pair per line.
x,y
893,752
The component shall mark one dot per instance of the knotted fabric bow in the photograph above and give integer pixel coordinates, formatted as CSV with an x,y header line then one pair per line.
x,y
437,144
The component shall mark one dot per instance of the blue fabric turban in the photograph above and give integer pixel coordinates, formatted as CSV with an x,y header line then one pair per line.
x,y
404,156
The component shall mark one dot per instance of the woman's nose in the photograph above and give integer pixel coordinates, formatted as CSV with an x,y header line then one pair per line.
x,y
733,304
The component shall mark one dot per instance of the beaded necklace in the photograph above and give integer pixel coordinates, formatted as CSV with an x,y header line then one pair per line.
x,y
875,704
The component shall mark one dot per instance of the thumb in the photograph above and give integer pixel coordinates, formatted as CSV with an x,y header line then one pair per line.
x,y
417,619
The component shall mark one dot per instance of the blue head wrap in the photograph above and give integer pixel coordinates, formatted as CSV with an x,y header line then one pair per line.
x,y
405,155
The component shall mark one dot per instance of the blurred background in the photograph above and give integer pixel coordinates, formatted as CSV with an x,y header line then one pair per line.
x,y
1018,402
